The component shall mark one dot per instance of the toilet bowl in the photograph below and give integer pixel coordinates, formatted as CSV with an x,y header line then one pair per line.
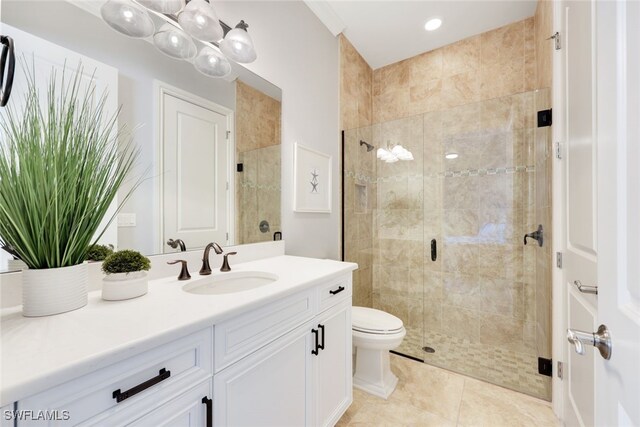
x,y
375,332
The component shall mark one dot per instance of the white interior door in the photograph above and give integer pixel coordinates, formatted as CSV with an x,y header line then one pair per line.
x,y
618,133
580,246
195,177
601,207
45,57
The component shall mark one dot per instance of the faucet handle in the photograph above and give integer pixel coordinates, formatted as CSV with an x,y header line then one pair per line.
x,y
225,262
184,271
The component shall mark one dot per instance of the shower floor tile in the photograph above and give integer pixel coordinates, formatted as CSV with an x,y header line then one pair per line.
x,y
511,369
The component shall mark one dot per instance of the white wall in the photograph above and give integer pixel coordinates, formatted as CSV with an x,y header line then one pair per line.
x,y
297,53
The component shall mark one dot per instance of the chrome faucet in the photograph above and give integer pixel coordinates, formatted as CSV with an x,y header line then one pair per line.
x,y
206,267
175,243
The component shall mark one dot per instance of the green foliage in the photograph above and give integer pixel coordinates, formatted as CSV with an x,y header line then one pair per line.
x,y
125,261
99,252
60,169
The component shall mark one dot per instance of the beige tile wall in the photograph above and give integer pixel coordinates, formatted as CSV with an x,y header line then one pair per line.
x,y
360,173
475,97
258,188
490,65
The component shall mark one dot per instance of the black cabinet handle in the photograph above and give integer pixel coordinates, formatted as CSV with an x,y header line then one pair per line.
x,y
119,396
209,410
337,291
434,250
7,53
321,346
316,346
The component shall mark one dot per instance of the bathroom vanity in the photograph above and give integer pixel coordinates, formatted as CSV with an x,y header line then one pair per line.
x,y
192,353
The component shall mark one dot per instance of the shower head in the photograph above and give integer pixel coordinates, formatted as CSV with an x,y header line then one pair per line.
x,y
369,146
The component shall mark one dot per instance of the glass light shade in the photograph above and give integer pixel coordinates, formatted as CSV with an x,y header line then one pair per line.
x,y
392,159
174,42
211,63
238,46
200,20
169,7
127,18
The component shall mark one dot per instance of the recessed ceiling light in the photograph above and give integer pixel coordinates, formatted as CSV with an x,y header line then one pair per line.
x,y
433,24
451,156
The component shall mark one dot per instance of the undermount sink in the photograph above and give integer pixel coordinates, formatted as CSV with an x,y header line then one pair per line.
x,y
228,283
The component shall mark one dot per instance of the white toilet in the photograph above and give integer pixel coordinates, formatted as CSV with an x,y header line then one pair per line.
x,y
375,332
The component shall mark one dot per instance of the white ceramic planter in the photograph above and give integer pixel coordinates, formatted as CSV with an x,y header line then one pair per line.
x,y
16,265
54,290
121,286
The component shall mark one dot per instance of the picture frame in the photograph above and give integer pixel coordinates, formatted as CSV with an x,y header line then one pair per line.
x,y
311,180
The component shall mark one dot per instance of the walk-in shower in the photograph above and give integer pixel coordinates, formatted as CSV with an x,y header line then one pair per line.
x,y
439,239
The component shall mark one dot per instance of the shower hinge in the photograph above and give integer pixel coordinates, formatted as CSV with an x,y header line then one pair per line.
x,y
558,151
545,118
560,370
556,39
228,133
545,366
559,260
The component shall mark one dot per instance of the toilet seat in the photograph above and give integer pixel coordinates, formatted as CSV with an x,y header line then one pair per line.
x,y
371,321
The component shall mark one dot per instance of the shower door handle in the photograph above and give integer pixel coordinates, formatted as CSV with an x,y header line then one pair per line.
x,y
434,250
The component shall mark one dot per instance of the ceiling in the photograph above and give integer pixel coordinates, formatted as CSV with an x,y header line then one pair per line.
x,y
388,31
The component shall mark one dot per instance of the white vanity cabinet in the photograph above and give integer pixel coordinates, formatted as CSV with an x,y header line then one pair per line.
x,y
285,363
301,378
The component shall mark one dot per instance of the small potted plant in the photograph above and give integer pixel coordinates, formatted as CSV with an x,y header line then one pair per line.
x,y
99,252
126,275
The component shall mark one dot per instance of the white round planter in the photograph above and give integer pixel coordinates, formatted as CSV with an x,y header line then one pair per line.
x,y
50,291
121,286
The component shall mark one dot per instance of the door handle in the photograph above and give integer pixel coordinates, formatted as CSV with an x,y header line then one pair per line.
x,y
316,345
535,235
601,339
585,289
209,408
321,346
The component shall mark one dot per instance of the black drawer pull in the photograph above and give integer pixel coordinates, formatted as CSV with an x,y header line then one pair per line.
x,y
315,339
337,291
119,396
321,346
209,409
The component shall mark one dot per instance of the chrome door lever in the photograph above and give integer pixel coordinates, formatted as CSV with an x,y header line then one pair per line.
x,y
585,289
600,340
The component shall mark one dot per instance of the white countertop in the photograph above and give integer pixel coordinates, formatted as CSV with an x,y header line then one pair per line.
x,y
39,353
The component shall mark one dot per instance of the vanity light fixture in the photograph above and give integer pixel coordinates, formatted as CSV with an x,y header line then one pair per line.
x,y
451,156
200,20
433,24
237,44
211,63
174,42
189,24
127,17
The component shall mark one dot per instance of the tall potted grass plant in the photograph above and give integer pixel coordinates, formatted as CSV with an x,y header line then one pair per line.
x,y
62,160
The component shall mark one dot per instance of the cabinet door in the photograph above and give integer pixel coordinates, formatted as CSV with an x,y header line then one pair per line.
x,y
187,410
271,387
332,365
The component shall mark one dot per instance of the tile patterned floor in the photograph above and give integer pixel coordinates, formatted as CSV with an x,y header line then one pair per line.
x,y
514,370
430,396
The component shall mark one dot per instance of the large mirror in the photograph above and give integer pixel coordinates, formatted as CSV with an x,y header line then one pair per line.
x,y
210,146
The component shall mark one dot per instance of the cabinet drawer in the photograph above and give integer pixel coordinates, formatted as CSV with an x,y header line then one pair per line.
x,y
90,399
334,291
242,335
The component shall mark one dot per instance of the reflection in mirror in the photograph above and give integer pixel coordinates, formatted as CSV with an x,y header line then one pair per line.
x,y
210,147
